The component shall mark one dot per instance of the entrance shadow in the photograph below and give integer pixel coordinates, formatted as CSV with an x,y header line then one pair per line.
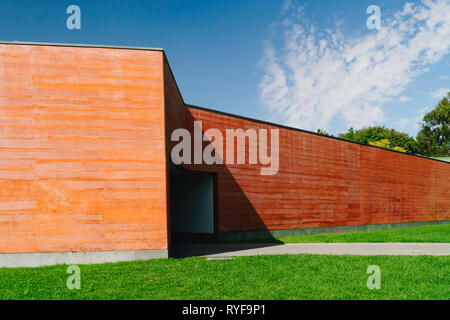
x,y
234,214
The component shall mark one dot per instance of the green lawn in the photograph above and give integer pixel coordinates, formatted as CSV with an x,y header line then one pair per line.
x,y
256,277
437,233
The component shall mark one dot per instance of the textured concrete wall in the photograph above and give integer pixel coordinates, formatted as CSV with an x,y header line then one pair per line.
x,y
82,145
324,182
174,118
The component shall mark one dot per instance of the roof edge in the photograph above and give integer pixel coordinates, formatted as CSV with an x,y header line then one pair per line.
x,y
80,45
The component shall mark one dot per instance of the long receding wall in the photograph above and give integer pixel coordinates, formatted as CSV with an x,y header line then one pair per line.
x,y
84,163
82,145
323,182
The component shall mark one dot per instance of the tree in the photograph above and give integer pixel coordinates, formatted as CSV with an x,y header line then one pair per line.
x,y
323,132
434,137
395,138
385,143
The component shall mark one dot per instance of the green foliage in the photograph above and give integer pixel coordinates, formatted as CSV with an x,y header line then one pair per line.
x,y
397,140
434,137
385,143
323,132
433,140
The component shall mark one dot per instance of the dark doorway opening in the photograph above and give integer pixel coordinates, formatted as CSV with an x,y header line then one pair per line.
x,y
192,205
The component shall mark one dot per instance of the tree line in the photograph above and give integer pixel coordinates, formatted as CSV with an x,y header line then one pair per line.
x,y
433,139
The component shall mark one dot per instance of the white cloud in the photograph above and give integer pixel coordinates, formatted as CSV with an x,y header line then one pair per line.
x,y
404,99
286,6
440,93
443,77
414,122
319,74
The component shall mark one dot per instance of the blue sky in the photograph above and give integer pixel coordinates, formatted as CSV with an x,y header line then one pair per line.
x,y
308,64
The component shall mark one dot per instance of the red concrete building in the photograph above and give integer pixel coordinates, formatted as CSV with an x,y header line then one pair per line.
x,y
86,172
